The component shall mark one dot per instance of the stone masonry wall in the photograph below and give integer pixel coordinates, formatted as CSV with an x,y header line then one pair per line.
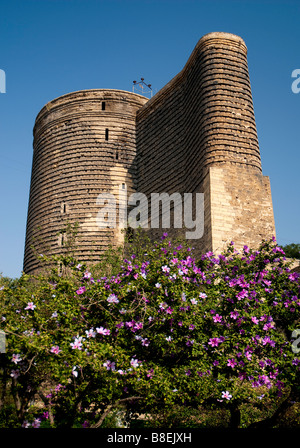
x,y
196,135
84,145
200,131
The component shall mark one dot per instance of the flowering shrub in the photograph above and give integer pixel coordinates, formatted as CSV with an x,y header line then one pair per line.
x,y
168,330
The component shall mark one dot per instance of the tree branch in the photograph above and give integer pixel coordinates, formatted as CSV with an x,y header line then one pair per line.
x,y
109,407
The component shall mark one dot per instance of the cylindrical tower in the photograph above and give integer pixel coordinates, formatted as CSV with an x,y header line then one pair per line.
x,y
200,130
218,103
84,145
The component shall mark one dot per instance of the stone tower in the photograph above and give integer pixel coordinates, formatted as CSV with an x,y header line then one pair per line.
x,y
84,145
196,135
200,131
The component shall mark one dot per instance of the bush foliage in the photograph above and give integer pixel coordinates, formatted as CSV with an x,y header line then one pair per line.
x,y
164,339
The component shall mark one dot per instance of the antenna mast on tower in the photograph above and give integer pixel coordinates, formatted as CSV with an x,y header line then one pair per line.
x,y
142,88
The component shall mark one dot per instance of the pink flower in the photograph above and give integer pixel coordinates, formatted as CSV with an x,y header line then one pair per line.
x,y
25,424
110,365
268,326
55,349
254,320
293,276
36,423
242,294
16,358
103,331
217,318
248,355
231,363
112,298
30,306
77,344
226,395
90,333
214,342
81,290
134,363
234,315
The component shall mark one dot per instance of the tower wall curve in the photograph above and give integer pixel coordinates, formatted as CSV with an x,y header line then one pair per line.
x,y
84,145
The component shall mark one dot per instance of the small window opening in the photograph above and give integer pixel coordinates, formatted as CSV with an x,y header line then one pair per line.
x,y
103,105
117,155
63,207
123,186
106,134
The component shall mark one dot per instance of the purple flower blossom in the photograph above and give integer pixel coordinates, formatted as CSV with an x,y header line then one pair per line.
x,y
242,294
16,358
77,344
267,340
231,363
254,320
234,315
202,295
248,355
112,298
81,290
30,306
110,365
15,373
55,349
214,342
135,363
90,333
104,331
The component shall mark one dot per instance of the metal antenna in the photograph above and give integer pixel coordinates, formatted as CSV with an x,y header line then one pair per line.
x,y
142,88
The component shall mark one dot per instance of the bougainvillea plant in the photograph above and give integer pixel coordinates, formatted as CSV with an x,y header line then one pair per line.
x,y
168,330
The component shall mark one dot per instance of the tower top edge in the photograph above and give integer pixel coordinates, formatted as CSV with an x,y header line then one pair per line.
x,y
86,92
222,35
76,92
204,41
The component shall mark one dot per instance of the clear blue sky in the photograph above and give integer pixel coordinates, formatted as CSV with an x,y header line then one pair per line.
x,y
52,47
